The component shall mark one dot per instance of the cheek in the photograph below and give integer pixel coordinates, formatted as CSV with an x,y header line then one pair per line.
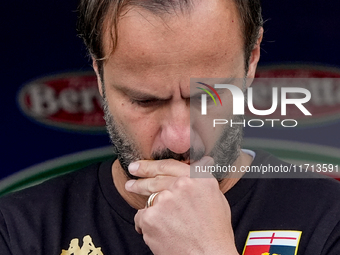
x,y
204,134
141,128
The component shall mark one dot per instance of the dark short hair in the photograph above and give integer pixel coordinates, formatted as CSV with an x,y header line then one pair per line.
x,y
92,14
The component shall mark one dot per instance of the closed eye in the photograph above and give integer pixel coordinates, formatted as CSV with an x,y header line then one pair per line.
x,y
147,102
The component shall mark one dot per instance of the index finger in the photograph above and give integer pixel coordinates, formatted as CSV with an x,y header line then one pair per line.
x,y
169,167
153,168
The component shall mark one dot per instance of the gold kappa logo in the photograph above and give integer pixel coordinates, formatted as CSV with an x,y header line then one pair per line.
x,y
88,247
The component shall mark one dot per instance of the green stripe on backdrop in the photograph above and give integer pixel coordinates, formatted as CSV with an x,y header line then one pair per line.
x,y
286,150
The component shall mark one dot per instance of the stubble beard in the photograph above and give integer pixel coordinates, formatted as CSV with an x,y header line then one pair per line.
x,y
224,153
123,146
227,148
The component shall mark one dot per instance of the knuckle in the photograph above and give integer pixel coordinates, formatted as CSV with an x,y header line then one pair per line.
x,y
183,183
165,195
138,185
149,218
150,185
145,169
147,239
164,198
153,183
163,165
137,217
158,178
138,220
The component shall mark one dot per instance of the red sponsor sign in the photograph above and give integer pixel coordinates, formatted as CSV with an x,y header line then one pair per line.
x,y
297,71
322,82
70,101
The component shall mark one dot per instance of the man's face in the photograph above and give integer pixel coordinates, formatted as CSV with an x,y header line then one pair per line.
x,y
147,79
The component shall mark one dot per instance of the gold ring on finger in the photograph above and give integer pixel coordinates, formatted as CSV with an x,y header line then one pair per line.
x,y
151,198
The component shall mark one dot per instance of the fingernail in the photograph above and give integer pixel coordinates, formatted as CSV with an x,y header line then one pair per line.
x,y
129,184
133,167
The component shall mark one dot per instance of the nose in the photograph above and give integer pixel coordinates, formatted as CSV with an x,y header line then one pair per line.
x,y
175,133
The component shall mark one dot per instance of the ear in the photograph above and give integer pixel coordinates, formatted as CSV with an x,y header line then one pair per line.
x,y
99,81
255,56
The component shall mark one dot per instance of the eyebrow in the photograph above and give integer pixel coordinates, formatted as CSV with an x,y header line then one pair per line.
x,y
140,95
218,90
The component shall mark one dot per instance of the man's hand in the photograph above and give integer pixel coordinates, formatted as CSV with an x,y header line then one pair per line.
x,y
188,216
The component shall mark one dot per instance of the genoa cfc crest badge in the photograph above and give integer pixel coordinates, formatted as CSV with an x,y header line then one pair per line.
x,y
272,242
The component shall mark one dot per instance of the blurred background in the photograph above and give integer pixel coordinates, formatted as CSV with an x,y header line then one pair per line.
x,y
51,119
